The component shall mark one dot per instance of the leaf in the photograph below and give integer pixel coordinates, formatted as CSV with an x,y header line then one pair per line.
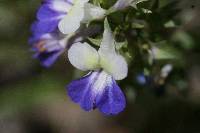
x,y
185,40
97,2
96,42
137,25
119,45
170,24
135,2
162,51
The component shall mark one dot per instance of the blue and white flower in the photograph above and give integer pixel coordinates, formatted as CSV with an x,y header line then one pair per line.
x,y
80,12
122,4
67,14
47,42
98,89
50,13
48,47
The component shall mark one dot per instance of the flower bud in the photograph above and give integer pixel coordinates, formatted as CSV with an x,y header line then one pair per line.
x,y
121,4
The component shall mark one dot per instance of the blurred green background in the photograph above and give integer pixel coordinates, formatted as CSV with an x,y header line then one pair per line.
x,y
34,100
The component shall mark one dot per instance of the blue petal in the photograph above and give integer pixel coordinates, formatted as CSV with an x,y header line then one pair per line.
x,y
80,91
112,100
48,18
46,13
36,36
45,26
141,79
97,89
47,47
48,58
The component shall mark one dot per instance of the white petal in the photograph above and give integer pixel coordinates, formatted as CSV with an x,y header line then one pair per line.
x,y
101,80
93,12
121,4
108,42
81,1
114,64
71,22
61,6
110,61
83,56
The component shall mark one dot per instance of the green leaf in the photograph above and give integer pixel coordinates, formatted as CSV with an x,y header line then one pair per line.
x,y
185,40
162,51
137,25
135,2
96,42
97,2
170,24
119,45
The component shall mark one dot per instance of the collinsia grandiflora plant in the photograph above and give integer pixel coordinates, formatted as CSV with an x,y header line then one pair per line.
x,y
106,54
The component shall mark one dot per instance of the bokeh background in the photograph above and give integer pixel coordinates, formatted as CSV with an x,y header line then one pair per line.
x,y
33,99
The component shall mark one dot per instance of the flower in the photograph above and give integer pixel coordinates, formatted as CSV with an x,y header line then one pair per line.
x,y
141,79
166,70
122,4
80,12
48,47
47,42
98,89
50,13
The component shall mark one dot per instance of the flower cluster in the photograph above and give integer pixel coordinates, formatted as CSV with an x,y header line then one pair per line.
x,y
59,20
